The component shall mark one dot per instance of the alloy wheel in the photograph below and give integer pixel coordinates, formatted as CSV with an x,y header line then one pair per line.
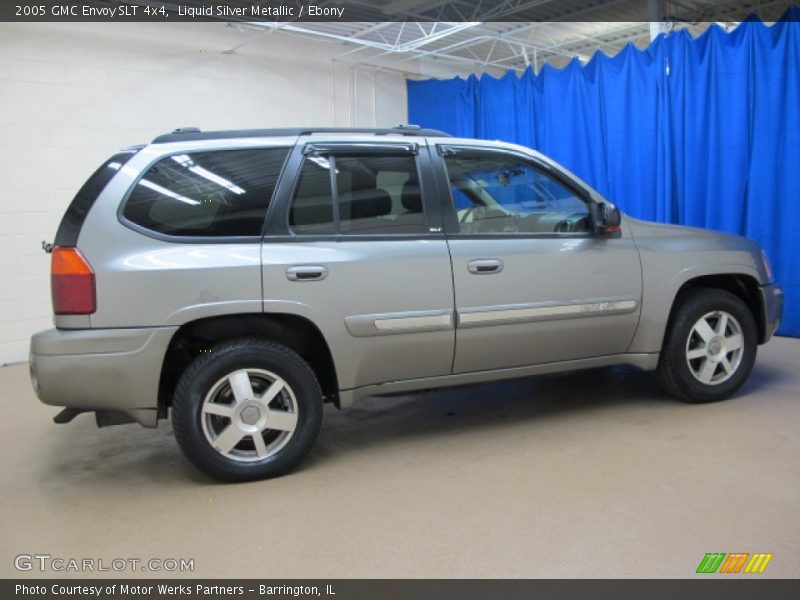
x,y
249,415
714,347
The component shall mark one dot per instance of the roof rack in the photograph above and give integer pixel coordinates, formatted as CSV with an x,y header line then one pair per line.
x,y
186,134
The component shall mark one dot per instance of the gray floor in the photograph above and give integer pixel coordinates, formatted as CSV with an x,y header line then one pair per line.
x,y
595,474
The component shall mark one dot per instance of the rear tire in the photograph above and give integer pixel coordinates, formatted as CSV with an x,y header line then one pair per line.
x,y
248,409
709,348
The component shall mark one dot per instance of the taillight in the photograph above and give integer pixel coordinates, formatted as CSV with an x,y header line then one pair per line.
x,y
71,283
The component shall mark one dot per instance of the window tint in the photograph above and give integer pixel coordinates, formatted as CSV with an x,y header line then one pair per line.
x,y
375,195
495,192
217,193
379,194
312,207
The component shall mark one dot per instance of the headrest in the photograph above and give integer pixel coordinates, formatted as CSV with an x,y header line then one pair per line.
x,y
368,204
411,197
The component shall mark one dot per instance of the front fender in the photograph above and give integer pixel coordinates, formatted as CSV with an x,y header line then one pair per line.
x,y
674,256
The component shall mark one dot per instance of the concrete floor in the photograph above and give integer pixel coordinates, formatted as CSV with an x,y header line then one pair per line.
x,y
595,474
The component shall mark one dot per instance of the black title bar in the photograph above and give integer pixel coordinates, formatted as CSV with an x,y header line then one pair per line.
x,y
277,11
711,588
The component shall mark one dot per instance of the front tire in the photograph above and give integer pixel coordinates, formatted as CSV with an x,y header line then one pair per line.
x,y
248,409
709,348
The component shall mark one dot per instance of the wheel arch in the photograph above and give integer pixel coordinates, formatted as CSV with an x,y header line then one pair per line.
x,y
296,332
744,286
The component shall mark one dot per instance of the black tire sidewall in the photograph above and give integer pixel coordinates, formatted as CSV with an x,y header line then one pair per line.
x,y
693,307
224,359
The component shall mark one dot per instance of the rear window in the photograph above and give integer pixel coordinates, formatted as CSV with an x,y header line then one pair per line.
x,y
71,223
216,193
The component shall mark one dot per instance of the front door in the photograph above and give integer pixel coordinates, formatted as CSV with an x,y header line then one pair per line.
x,y
533,283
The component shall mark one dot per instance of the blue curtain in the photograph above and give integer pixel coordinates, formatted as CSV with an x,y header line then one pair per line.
x,y
702,132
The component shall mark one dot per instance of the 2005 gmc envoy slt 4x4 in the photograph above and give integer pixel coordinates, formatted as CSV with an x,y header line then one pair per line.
x,y
244,278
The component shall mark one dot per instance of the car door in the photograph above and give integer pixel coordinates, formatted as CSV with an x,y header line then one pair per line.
x,y
533,282
354,244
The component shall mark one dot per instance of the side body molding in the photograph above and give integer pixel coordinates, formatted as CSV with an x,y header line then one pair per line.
x,y
399,322
441,320
544,311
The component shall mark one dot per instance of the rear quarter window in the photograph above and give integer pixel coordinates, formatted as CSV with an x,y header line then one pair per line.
x,y
219,193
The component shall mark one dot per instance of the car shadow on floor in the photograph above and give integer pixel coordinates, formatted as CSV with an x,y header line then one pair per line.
x,y
130,455
538,402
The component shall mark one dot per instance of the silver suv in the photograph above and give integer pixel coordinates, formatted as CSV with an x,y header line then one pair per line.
x,y
244,278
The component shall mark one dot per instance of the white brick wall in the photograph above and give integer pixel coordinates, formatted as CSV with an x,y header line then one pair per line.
x,y
71,94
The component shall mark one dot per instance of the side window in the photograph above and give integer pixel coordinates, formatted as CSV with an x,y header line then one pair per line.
x,y
374,195
215,193
494,192
312,208
379,194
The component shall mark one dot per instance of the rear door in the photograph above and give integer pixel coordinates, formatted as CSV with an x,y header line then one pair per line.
x,y
533,283
354,243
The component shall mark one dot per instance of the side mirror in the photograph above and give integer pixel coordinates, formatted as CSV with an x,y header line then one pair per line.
x,y
607,218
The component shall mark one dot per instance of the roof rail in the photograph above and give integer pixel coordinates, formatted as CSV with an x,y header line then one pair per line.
x,y
185,134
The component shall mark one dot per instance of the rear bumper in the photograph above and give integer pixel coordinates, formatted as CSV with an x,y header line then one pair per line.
x,y
772,301
114,372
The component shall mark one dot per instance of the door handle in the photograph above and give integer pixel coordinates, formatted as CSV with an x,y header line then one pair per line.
x,y
306,273
485,266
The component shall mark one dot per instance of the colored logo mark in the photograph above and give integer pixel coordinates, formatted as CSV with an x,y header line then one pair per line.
x,y
736,562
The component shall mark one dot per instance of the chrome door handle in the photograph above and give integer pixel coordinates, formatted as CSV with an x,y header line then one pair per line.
x,y
485,266
306,273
